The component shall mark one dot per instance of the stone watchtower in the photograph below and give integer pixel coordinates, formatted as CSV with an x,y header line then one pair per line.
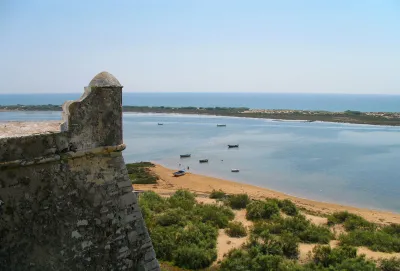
x,y
66,200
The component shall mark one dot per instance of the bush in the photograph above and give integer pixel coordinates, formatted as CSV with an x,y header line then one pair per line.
x,y
171,217
288,207
152,201
201,235
290,246
243,260
392,264
326,256
217,215
236,229
375,240
193,257
341,258
392,229
236,260
350,221
316,234
217,194
238,201
298,226
271,209
183,199
261,210
164,240
255,210
139,173
182,231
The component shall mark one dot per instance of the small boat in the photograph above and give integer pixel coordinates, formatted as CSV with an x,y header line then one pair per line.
x,y
221,125
179,173
234,170
160,123
203,161
233,146
185,155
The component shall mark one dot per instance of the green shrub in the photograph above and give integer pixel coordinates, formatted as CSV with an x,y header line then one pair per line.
x,y
238,201
341,258
236,260
356,264
392,264
193,257
338,217
261,210
316,234
243,260
182,231
298,226
271,209
153,202
255,210
139,173
217,215
350,221
375,240
326,256
164,240
288,207
392,229
290,245
183,199
170,217
200,235
217,194
236,229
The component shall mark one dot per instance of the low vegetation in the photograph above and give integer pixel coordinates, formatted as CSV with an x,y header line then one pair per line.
x,y
218,195
341,258
364,233
184,232
262,210
238,201
391,264
140,173
236,229
298,225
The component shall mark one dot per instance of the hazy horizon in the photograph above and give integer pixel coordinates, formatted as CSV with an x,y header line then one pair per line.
x,y
288,46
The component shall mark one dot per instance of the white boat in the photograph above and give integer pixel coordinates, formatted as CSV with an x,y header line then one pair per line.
x,y
179,173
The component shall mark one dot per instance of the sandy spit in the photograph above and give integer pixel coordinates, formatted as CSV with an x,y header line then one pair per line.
x,y
204,185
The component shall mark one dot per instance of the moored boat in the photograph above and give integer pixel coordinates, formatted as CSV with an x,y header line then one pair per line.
x,y
234,170
160,123
233,146
179,173
203,160
221,125
185,155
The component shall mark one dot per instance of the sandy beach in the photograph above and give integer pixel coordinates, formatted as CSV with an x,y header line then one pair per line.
x,y
204,185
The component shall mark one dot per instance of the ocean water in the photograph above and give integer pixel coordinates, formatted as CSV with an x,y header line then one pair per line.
x,y
330,102
343,163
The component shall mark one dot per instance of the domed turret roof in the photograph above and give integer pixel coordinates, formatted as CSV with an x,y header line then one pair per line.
x,y
104,79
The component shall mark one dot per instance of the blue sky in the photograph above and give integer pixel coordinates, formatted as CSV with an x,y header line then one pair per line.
x,y
332,46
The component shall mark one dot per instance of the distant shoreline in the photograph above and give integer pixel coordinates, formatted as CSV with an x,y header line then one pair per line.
x,y
353,117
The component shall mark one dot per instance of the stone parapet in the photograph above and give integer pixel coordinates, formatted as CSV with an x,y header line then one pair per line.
x,y
66,200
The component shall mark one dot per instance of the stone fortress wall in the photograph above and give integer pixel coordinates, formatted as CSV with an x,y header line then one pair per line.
x,y
66,200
